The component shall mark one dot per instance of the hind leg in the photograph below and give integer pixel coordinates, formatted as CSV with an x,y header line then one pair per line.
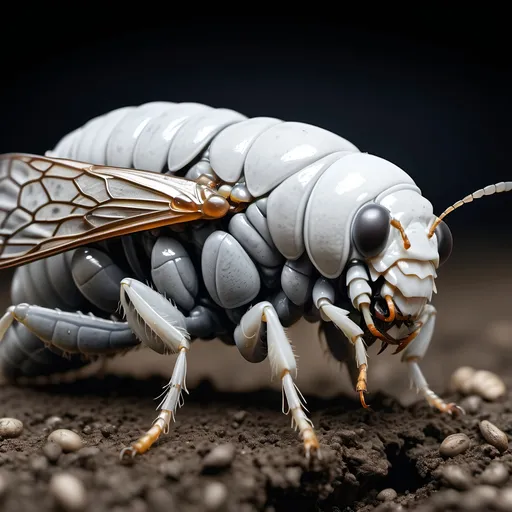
x,y
81,279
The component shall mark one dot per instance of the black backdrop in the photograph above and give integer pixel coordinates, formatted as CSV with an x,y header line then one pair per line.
x,y
431,96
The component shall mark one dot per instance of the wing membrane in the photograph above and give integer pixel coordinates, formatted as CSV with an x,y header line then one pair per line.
x,y
49,205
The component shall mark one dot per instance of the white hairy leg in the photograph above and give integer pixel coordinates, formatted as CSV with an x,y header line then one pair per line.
x,y
282,362
415,352
353,332
161,326
323,297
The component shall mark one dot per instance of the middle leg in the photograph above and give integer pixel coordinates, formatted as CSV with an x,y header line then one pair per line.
x,y
282,361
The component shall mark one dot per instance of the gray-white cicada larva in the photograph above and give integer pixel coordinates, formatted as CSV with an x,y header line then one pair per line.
x,y
240,226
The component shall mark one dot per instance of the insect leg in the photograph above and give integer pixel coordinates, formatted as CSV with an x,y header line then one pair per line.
x,y
50,284
71,333
339,347
282,362
323,298
415,352
161,326
25,358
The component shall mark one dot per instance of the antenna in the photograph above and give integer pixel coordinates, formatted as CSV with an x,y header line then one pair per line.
x,y
502,186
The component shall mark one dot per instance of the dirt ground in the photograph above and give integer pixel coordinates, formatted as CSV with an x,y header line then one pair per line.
x,y
232,402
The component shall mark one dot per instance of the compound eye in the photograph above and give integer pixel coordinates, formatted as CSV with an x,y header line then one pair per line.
x,y
444,242
370,229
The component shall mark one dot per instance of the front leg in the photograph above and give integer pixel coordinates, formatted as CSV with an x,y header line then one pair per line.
x,y
323,298
415,352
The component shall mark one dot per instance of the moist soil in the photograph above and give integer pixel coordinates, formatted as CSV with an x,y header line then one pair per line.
x,y
363,452
395,445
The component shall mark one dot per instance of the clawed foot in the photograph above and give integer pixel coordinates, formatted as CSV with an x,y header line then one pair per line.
x,y
311,445
454,410
127,454
438,403
361,386
363,401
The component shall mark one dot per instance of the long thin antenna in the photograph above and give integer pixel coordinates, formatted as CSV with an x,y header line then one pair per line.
x,y
502,186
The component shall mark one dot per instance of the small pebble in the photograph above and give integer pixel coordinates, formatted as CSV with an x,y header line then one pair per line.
x,y
215,495
454,444
68,491
494,436
483,383
495,474
488,385
471,404
68,440
52,451
457,477
160,500
220,457
10,427
87,430
387,495
461,379
53,421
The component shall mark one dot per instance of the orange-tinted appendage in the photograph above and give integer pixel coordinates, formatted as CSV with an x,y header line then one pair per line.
x,y
361,385
396,224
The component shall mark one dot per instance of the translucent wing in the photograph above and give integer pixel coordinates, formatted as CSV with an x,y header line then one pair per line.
x,y
49,205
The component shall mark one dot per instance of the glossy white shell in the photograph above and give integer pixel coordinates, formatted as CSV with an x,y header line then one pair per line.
x,y
152,148
284,149
341,190
194,135
229,149
287,204
121,142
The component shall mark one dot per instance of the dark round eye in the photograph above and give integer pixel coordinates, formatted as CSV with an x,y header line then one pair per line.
x,y
370,229
444,242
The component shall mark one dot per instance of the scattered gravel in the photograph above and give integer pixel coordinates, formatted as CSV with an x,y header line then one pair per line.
x,y
10,428
68,440
387,495
220,457
68,491
454,444
494,436
486,384
216,459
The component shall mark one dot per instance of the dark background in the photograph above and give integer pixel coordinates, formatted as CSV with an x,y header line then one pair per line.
x,y
431,94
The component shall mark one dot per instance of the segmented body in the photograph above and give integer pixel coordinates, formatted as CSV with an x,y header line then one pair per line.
x,y
271,251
